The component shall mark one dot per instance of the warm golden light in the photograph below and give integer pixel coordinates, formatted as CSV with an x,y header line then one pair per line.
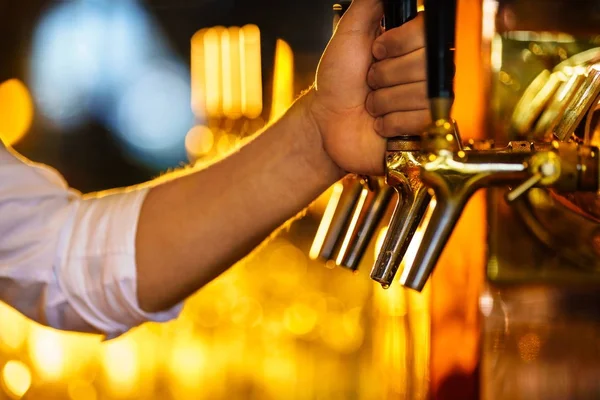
x,y
82,390
379,241
230,61
188,363
251,75
226,72
317,244
14,328
120,359
16,111
529,347
300,318
413,247
283,79
226,65
47,352
198,73
16,378
199,141
490,9
402,341
213,89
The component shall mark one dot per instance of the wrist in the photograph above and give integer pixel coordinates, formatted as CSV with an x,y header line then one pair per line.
x,y
314,148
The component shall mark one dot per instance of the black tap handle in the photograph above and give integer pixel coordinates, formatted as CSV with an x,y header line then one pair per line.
x,y
398,12
440,34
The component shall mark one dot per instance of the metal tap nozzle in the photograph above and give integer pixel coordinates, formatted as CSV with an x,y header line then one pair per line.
x,y
367,216
403,161
336,218
455,177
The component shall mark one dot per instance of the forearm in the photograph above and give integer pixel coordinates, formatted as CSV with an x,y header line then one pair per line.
x,y
193,228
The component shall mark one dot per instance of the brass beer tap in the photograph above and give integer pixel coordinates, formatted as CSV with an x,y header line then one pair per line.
x,y
363,202
438,164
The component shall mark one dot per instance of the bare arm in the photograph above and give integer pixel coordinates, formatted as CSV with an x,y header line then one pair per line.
x,y
105,262
193,228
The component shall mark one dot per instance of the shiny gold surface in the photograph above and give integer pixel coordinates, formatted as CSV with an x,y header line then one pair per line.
x,y
366,218
402,169
539,308
454,174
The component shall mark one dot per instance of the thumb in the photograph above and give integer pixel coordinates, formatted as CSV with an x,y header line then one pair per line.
x,y
362,17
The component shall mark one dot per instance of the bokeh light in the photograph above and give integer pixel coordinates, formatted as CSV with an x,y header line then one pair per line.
x,y
283,79
82,390
529,346
276,324
199,141
153,115
188,363
16,111
84,51
121,368
16,378
14,328
226,72
108,61
47,352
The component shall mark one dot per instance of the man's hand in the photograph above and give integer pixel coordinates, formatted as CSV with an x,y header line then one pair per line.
x,y
369,86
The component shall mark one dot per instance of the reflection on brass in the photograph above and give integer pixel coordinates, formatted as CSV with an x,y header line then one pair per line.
x,y
455,177
585,58
442,135
585,98
336,219
526,110
402,171
455,172
552,214
592,127
366,217
557,106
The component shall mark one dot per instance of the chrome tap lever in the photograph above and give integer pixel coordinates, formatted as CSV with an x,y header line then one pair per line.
x,y
440,142
455,177
336,219
351,231
367,217
403,161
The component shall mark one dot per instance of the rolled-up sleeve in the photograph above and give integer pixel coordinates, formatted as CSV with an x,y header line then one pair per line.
x,y
66,260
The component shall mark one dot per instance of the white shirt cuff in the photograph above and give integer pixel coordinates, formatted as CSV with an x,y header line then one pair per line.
x,y
96,267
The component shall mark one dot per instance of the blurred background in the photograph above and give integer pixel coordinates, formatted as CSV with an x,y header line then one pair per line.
x,y
116,92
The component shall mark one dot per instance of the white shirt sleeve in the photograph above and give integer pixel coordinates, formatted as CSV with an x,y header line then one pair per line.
x,y
66,260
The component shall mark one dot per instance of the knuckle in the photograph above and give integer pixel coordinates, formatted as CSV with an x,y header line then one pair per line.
x,y
376,102
382,73
370,103
372,77
392,125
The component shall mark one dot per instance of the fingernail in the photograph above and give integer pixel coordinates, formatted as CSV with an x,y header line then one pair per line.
x,y
378,124
379,51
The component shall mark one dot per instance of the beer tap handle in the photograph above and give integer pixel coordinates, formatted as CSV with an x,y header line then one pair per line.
x,y
398,12
440,33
